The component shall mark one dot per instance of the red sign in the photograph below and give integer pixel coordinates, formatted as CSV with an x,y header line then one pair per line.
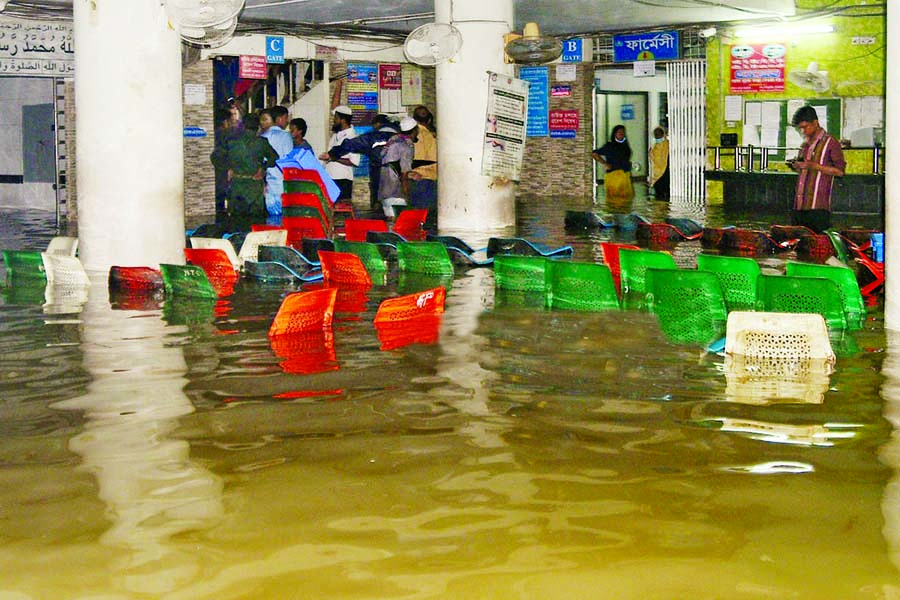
x,y
563,119
390,77
757,68
561,90
252,67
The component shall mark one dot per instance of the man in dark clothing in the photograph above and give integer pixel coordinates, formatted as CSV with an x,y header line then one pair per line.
x,y
246,160
371,144
297,129
227,129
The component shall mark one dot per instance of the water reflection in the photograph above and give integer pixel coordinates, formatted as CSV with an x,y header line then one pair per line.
x,y
152,489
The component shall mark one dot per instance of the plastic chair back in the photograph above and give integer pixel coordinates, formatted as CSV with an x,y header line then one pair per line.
x,y
355,229
430,258
737,276
845,278
634,265
611,259
816,248
580,286
304,311
783,293
840,249
67,246
689,304
520,273
291,203
255,239
311,246
451,242
410,223
219,244
287,255
24,264
213,261
64,270
295,174
778,336
134,279
523,247
342,268
300,228
367,253
187,280
425,303
749,243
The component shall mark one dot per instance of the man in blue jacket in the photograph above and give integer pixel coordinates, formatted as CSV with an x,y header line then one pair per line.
x,y
371,144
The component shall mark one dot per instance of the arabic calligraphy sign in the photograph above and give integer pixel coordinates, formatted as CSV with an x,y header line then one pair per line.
x,y
36,48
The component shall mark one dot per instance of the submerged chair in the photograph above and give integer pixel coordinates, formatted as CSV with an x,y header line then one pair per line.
x,y
64,270
67,246
778,337
304,312
214,262
355,229
301,228
430,258
611,259
410,319
634,265
784,293
134,280
22,265
461,253
689,304
520,273
674,230
342,268
851,298
255,239
187,280
737,276
202,243
300,204
747,242
845,249
367,253
580,286
523,247
410,224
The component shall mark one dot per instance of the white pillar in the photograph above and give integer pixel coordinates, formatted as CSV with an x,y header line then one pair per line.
x,y
130,159
466,199
892,172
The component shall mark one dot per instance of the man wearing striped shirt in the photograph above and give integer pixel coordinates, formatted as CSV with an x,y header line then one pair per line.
x,y
820,160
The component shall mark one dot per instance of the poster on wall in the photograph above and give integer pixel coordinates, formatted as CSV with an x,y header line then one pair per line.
x,y
538,99
36,48
564,123
390,84
252,67
411,85
362,91
757,68
504,130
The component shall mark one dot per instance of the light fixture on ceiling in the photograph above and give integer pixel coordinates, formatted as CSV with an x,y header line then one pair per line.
x,y
782,31
707,33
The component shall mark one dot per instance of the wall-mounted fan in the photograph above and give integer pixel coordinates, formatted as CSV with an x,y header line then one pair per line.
x,y
209,37
532,48
811,79
204,23
432,43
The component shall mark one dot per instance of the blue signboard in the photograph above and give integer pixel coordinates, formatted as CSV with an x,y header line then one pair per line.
x,y
573,50
562,133
538,100
194,132
659,45
627,112
274,49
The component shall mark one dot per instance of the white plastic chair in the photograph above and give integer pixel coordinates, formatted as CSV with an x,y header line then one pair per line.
x,y
255,239
218,244
64,270
62,245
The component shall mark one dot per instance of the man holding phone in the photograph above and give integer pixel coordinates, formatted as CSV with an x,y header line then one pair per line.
x,y
820,160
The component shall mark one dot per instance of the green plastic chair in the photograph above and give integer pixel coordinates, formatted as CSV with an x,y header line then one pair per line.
x,y
840,250
293,186
845,278
430,258
520,273
689,304
785,293
737,275
580,286
633,265
368,253
187,280
24,264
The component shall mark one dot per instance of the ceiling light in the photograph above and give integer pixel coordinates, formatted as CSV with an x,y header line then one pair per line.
x,y
785,31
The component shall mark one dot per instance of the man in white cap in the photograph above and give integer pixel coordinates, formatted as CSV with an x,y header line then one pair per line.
x,y
396,163
341,170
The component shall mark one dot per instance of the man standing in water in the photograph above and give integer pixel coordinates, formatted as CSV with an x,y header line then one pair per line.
x,y
820,160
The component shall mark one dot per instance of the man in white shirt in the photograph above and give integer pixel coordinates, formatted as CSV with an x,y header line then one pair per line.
x,y
341,170
283,143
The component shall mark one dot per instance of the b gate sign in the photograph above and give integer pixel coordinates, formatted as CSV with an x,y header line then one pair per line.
x,y
573,50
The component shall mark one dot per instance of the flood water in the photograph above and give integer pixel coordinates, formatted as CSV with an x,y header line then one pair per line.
x,y
168,453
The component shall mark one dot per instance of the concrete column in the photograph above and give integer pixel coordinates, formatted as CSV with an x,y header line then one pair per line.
x,y
129,144
892,173
466,199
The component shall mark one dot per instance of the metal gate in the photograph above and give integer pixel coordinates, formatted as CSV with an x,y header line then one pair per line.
x,y
687,129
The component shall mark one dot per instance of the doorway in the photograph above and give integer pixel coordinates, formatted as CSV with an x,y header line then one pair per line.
x,y
628,109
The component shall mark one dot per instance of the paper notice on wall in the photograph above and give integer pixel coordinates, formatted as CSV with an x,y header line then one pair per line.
x,y
504,132
750,135
752,114
770,115
194,93
768,137
734,108
822,114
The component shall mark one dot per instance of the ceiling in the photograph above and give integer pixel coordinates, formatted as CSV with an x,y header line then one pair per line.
x,y
392,18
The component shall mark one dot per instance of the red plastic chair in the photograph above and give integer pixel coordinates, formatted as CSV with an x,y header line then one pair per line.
x,y
217,266
343,268
355,229
309,201
295,174
299,228
611,260
428,302
303,312
874,269
133,280
410,224
264,227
